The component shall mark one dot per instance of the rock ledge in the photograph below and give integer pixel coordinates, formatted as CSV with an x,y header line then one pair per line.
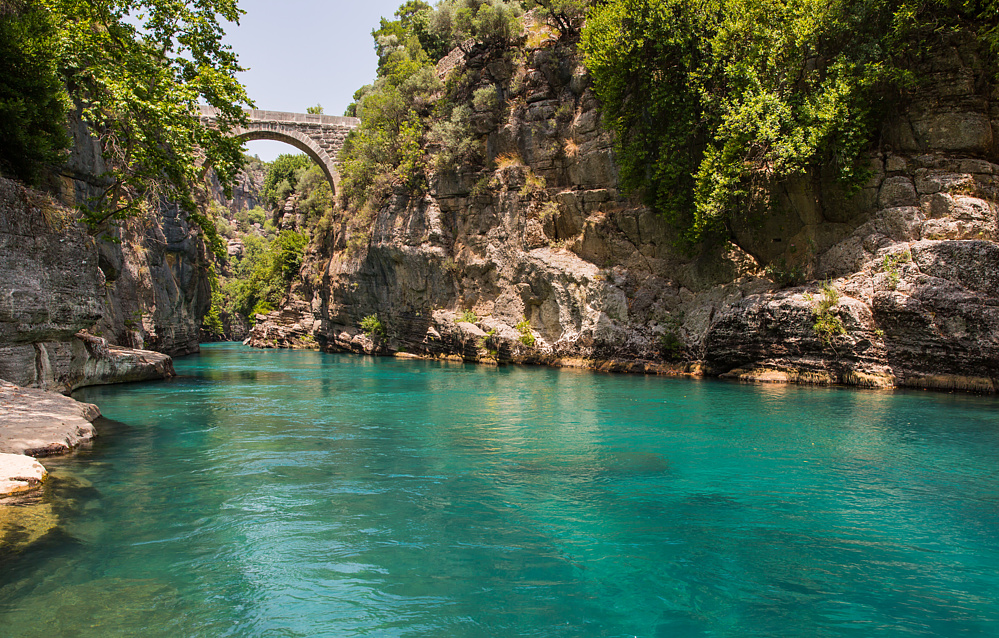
x,y
39,423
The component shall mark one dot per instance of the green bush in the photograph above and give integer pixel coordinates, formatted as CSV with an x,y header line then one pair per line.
x,y
257,216
467,316
455,141
526,336
712,101
372,326
827,323
891,265
33,100
486,98
491,22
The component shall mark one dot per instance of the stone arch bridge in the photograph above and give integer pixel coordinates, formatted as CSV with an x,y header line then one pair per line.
x,y
319,136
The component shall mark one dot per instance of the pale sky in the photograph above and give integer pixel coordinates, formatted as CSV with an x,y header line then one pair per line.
x,y
305,52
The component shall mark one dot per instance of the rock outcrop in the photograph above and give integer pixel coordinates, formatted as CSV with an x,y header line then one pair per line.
x,y
40,423
19,474
557,266
52,286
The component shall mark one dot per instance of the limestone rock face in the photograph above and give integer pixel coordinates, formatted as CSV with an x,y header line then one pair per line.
x,y
52,287
246,190
289,327
157,286
40,423
558,266
79,361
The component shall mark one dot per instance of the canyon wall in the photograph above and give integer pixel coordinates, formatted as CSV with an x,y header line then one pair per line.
x,y
555,265
51,289
76,309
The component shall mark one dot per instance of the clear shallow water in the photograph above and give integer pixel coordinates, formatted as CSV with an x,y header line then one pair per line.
x,y
276,493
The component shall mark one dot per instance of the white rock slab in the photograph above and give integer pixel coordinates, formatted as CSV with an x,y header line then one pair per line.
x,y
19,473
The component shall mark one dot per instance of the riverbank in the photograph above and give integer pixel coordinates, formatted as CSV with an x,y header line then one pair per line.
x,y
448,340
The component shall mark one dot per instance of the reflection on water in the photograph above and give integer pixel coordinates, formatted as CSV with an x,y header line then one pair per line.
x,y
269,493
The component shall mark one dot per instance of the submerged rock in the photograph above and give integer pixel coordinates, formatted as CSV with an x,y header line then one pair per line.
x,y
24,521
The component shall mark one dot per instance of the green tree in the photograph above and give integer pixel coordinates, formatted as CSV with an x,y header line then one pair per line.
x,y
282,177
315,110
713,101
387,148
489,22
33,100
138,69
565,16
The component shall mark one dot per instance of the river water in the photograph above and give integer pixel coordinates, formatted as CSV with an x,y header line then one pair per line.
x,y
277,493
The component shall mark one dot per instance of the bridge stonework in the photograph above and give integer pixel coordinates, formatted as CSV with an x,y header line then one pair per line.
x,y
319,136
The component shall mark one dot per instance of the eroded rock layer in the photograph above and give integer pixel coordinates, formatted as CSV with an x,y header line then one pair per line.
x,y
539,257
52,287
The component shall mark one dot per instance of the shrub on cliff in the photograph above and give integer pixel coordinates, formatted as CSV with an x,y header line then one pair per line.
x,y
565,16
713,100
387,148
490,22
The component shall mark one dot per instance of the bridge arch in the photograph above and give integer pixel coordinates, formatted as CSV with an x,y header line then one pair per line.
x,y
303,143
318,136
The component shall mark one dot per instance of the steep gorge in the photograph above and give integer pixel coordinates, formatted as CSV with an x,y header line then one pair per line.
x,y
543,234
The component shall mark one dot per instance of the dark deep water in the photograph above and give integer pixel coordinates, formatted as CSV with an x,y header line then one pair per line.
x,y
276,493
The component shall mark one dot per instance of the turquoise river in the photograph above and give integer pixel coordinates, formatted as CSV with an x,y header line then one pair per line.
x,y
277,493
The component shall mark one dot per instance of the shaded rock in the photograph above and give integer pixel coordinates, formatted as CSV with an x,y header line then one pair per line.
x,y
82,360
897,191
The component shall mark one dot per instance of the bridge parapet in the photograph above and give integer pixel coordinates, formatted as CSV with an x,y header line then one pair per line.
x,y
257,115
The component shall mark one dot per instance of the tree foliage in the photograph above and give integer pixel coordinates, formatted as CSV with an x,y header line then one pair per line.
x,y
711,100
33,99
406,126
565,16
137,71
263,274
387,148
282,177
489,22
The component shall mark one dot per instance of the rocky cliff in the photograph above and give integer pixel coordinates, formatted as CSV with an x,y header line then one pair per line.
x,y
156,284
554,265
51,289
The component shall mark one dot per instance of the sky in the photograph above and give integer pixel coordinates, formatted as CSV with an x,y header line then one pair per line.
x,y
299,53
